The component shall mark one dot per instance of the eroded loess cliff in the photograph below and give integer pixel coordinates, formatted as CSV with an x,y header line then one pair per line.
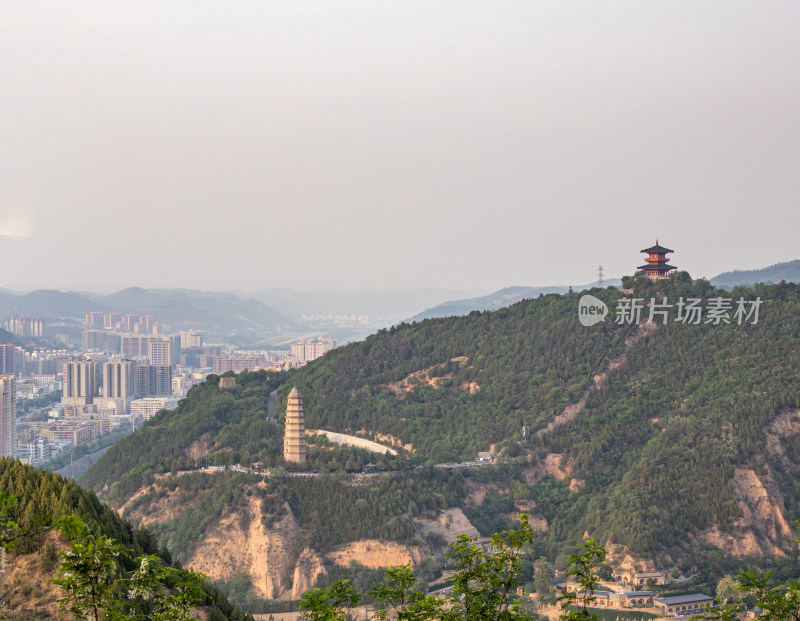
x,y
266,555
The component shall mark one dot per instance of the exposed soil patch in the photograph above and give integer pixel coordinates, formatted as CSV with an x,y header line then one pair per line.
x,y
619,556
385,438
24,587
450,524
783,426
423,376
552,465
265,555
374,554
199,448
158,510
761,510
740,545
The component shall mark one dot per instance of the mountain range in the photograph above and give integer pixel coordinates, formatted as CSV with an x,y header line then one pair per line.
x,y
179,308
268,313
788,271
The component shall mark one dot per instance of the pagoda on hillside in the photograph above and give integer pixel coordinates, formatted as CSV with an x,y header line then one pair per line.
x,y
657,266
294,437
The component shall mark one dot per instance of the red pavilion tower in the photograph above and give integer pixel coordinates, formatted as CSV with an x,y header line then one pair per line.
x,y
657,266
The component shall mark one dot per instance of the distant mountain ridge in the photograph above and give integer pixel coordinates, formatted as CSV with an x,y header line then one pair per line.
x,y
181,308
498,299
772,274
788,271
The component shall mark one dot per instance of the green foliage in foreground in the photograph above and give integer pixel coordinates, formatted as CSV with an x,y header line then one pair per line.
x,y
620,615
485,580
482,586
104,551
88,576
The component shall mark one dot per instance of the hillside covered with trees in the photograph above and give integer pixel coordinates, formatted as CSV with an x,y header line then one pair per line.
x,y
682,439
29,500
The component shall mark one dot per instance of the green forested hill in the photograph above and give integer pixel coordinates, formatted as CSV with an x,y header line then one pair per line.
x,y
233,423
39,493
525,363
650,462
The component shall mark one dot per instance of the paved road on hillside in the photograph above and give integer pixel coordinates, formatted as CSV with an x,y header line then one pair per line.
x,y
271,402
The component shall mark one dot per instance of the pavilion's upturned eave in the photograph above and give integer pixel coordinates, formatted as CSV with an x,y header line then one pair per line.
x,y
657,266
657,250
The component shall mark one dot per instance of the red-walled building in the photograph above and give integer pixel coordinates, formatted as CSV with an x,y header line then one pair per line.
x,y
657,266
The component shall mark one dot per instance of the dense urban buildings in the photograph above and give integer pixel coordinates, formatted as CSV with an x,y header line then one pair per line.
x,y
311,349
148,407
25,326
116,367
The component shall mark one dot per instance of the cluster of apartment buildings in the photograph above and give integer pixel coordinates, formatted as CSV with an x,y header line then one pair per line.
x,y
25,326
126,368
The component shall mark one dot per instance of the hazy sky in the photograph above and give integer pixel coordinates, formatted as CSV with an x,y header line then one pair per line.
x,y
238,144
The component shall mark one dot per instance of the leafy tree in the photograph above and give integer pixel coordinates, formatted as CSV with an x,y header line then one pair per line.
x,y
87,574
332,603
583,567
402,601
149,583
543,575
728,590
605,572
486,578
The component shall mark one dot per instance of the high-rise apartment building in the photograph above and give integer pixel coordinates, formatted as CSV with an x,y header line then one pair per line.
x,y
119,379
94,319
154,380
8,416
25,326
191,339
311,349
146,324
110,320
80,382
160,352
7,358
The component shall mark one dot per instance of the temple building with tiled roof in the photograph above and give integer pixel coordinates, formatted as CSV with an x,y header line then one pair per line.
x,y
656,262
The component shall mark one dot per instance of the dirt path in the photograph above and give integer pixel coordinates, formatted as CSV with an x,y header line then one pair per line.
x,y
574,409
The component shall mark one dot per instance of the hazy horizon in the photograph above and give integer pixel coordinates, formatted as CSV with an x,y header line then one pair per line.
x,y
344,144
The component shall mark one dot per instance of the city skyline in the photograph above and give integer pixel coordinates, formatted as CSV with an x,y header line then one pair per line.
x,y
350,145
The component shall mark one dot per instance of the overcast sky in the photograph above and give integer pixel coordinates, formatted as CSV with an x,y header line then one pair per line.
x,y
238,144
